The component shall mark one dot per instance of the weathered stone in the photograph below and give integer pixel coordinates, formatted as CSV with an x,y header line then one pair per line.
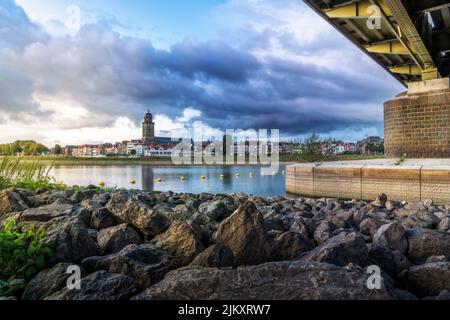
x,y
422,219
69,237
289,246
101,285
435,259
145,263
49,212
216,256
134,210
47,282
271,281
425,243
370,226
341,250
181,241
381,200
391,236
444,225
428,279
323,232
215,210
116,238
244,233
11,202
391,262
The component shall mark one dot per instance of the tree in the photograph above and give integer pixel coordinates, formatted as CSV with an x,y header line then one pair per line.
x,y
58,149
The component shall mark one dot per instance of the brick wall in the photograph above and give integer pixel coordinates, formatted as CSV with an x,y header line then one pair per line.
x,y
418,125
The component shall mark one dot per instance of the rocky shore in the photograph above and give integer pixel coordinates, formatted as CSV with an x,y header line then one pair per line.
x,y
146,246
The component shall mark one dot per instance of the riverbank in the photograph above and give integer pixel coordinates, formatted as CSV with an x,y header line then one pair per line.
x,y
163,161
139,245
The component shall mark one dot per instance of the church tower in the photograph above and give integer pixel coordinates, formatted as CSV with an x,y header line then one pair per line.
x,y
148,128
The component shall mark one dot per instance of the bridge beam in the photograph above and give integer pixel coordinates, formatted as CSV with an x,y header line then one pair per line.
x,y
391,47
409,69
361,9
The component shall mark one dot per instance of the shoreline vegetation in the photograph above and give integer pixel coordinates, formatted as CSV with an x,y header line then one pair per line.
x,y
164,161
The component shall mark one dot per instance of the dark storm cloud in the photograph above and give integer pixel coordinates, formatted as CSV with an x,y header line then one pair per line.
x,y
114,76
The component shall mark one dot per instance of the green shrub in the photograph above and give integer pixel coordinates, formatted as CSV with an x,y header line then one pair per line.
x,y
22,255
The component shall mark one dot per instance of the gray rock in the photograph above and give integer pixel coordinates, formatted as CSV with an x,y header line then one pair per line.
x,y
425,243
444,225
216,256
132,209
370,226
244,233
116,238
101,285
341,250
11,202
49,212
69,237
47,282
289,246
435,259
215,210
391,236
181,241
427,280
422,219
146,264
271,281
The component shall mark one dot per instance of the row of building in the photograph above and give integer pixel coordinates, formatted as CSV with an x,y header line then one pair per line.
x,y
151,146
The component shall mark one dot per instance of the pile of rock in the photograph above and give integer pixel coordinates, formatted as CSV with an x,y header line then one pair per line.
x,y
139,245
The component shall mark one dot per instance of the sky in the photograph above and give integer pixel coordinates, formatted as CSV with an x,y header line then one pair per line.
x,y
79,71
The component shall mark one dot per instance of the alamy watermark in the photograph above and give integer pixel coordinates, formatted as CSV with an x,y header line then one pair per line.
x,y
236,146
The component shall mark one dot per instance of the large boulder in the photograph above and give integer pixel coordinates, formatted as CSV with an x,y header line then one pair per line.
x,y
146,264
101,218
134,210
216,256
216,210
116,238
271,281
101,285
51,211
244,233
341,250
391,236
11,201
427,280
425,243
370,226
181,241
289,246
47,282
68,235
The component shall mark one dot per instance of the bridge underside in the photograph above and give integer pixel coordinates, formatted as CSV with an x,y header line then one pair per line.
x,y
409,38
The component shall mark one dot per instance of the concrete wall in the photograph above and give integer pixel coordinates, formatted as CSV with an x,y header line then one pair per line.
x,y
413,183
418,123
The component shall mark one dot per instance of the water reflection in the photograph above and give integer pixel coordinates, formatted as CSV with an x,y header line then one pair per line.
x,y
148,182
217,179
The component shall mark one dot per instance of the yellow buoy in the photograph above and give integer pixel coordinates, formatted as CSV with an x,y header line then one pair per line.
x,y
251,174
222,176
203,177
102,184
238,175
133,181
182,178
159,180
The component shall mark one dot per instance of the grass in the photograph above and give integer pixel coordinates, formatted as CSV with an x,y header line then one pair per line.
x,y
15,172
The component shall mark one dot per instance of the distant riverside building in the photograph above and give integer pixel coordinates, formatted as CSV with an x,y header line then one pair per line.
x,y
148,128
